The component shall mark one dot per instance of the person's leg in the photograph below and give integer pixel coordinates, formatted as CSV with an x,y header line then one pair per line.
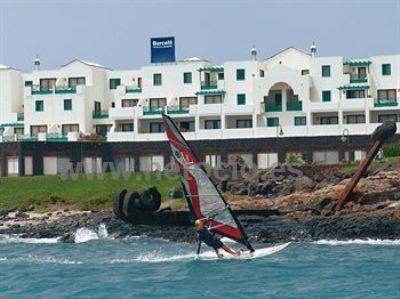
x,y
227,249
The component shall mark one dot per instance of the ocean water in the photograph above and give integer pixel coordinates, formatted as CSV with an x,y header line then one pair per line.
x,y
96,266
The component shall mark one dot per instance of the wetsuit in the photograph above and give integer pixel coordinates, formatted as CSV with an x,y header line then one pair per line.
x,y
209,238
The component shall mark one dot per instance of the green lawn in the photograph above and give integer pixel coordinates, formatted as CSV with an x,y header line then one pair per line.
x,y
80,192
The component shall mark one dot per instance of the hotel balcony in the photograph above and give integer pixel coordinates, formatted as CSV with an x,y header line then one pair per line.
x,y
120,136
388,103
177,110
100,114
206,85
273,107
238,109
324,106
133,89
357,104
294,106
153,110
122,113
358,78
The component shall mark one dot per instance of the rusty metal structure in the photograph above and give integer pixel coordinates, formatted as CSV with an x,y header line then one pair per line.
x,y
380,135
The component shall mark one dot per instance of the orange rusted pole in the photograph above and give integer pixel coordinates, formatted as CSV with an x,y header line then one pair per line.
x,y
380,135
357,175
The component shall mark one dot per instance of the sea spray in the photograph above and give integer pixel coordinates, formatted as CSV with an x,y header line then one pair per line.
x,y
85,234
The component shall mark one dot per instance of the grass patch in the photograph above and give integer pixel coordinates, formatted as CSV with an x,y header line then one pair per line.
x,y
81,193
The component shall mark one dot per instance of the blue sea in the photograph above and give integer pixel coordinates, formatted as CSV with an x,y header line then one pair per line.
x,y
97,266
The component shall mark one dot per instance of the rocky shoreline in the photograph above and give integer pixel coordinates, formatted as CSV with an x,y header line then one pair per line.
x,y
304,213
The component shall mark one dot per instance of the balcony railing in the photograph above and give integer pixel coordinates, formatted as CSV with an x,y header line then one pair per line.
x,y
153,110
26,138
297,106
358,79
209,85
272,107
57,90
386,103
133,89
100,114
177,110
20,116
56,137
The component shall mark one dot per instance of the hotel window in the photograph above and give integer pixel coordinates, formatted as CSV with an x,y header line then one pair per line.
x,y
157,79
19,131
355,94
28,83
241,99
244,123
329,120
47,84
185,102
300,121
212,160
39,106
387,95
114,83
212,124
156,127
158,102
74,82
305,72
103,129
70,128
67,104
129,103
356,119
97,107
387,117
35,130
186,126
329,157
221,76
187,78
386,69
326,96
273,121
126,127
261,73
326,70
240,74
212,99
266,160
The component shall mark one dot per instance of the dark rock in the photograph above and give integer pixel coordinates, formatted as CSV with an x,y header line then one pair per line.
x,y
222,185
396,196
176,193
22,215
3,213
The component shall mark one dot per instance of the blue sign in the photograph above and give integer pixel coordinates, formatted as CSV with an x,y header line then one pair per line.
x,y
162,49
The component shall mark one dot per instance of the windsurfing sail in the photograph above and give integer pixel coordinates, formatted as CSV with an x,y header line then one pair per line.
x,y
203,198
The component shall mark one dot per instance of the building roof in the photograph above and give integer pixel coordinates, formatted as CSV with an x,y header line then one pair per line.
x,y
286,50
88,63
4,67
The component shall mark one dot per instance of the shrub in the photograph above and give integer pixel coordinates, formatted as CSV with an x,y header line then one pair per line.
x,y
392,149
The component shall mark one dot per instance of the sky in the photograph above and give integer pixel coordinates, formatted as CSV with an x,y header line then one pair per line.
x,y
117,33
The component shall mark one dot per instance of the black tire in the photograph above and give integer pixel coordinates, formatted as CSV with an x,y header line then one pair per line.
x,y
130,204
118,202
150,200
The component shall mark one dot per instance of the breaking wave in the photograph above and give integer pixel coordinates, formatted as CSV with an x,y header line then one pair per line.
x,y
41,260
84,234
4,239
358,242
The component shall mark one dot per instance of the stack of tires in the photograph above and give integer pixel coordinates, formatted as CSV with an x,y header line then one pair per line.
x,y
130,205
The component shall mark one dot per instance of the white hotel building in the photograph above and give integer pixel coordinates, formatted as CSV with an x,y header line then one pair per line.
x,y
293,102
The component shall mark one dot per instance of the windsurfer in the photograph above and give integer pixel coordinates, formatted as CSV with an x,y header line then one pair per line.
x,y
206,236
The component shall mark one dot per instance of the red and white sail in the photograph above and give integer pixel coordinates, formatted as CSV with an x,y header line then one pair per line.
x,y
203,197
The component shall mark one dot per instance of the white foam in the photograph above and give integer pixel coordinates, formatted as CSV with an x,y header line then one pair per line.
x,y
4,239
85,234
40,260
358,242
